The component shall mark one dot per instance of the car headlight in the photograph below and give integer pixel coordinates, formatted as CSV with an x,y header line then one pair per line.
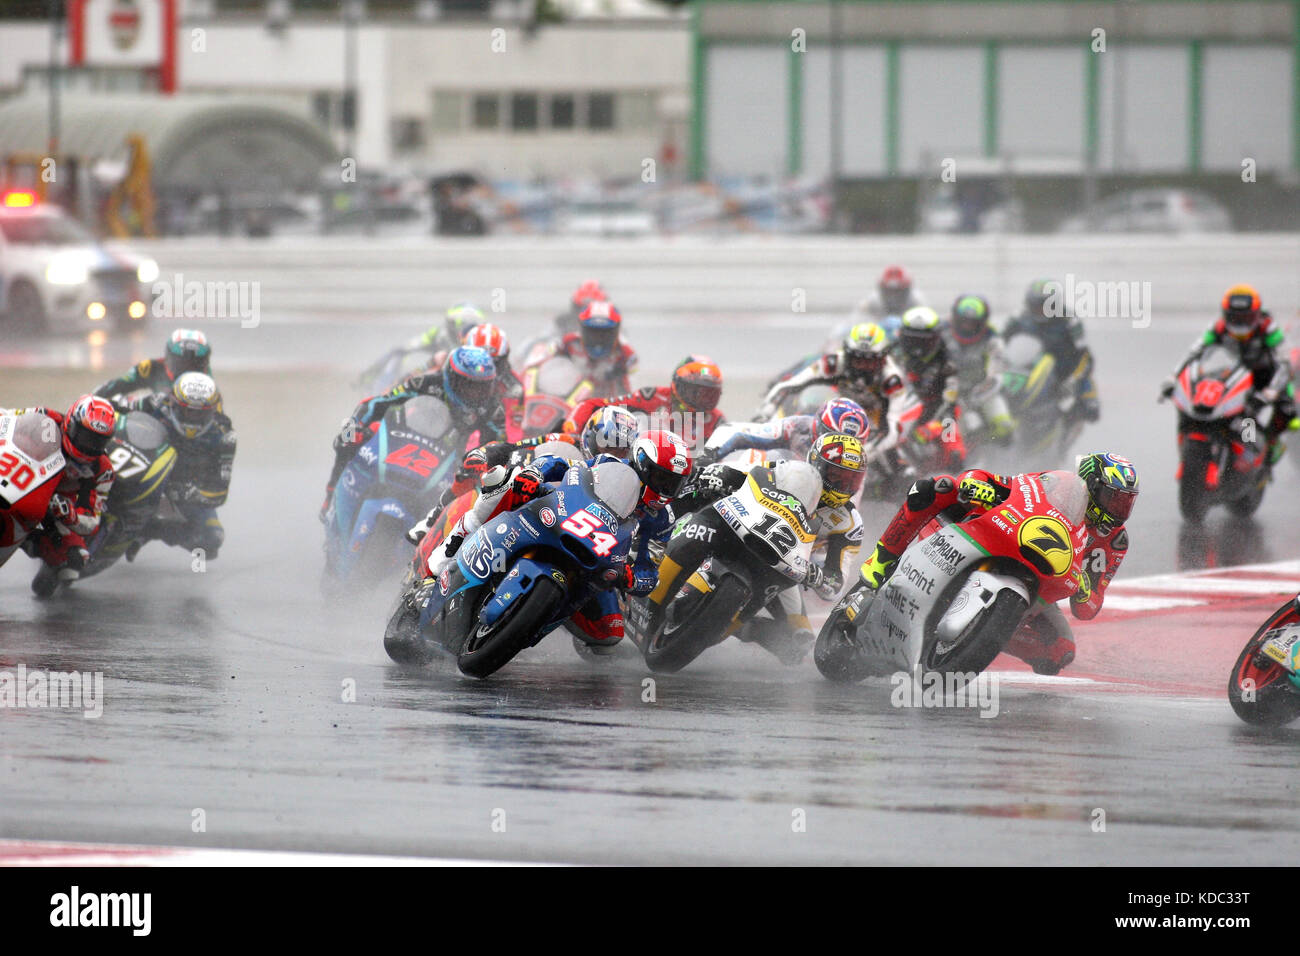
x,y
147,271
67,270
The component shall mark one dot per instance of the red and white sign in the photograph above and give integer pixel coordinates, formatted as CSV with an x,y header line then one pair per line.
x,y
125,33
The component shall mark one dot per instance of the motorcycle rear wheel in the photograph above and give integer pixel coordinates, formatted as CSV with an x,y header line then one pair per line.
x,y
679,643
402,639
491,647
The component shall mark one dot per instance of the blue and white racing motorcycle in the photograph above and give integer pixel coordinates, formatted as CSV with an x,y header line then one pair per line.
x,y
522,574
389,486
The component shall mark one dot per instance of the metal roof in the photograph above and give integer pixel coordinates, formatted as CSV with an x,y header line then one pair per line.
x,y
194,141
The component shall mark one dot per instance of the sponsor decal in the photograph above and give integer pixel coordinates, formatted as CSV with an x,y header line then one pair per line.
x,y
559,577
1045,542
392,509
501,528
605,515
560,508
698,532
367,454
916,576
1010,516
902,602
532,529
547,516
444,580
941,551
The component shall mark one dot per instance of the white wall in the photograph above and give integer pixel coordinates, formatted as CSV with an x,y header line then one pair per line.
x,y
746,109
1040,100
942,96
862,72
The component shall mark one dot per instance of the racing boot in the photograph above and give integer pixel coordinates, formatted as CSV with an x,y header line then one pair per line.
x,y
877,569
1039,645
46,581
789,645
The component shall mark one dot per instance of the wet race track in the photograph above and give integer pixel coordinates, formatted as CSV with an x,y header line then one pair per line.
x,y
225,689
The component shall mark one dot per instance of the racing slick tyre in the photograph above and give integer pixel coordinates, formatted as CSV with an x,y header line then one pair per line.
x,y
982,640
1259,689
1193,500
1249,503
680,642
491,646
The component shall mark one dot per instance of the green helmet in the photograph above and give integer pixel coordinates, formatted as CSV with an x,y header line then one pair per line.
x,y
970,319
1112,484
919,336
864,350
457,320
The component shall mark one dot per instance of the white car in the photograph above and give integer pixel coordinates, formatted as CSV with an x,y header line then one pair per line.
x,y
56,276
1152,210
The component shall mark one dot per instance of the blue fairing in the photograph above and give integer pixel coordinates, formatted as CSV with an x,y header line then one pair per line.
x,y
523,547
394,479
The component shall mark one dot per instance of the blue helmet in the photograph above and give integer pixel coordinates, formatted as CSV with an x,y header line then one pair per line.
x,y
611,430
470,379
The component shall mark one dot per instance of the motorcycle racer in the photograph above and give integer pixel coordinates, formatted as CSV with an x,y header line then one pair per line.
x,y
442,336
599,350
894,295
81,495
467,384
839,467
588,291
976,352
660,459
1247,327
199,484
187,350
689,402
1044,641
796,433
1046,318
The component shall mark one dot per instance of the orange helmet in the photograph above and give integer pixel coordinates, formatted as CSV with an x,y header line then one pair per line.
x,y
1241,311
697,384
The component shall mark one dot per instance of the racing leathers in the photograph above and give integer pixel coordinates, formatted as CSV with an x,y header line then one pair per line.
x,y
659,408
794,434
198,485
1270,371
598,622
1044,640
148,374
610,375
1062,337
364,421
786,633
980,365
75,509
873,394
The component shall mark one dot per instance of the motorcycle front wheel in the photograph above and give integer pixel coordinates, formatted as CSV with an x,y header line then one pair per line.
x,y
492,646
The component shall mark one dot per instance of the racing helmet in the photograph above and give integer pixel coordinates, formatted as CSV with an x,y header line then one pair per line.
x,y
1112,484
587,293
697,384
663,462
1043,300
491,339
87,427
840,462
611,430
919,336
456,321
599,325
864,351
469,379
1241,311
895,287
843,416
191,406
187,351
970,319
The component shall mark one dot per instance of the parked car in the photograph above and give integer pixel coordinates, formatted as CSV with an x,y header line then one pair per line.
x,y
1152,210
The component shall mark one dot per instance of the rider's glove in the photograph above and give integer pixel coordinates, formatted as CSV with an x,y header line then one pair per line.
x,y
1166,389
527,485
711,479
453,544
1084,591
826,586
61,510
975,491
473,465
639,580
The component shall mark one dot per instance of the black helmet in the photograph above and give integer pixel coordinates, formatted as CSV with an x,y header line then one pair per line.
x,y
187,351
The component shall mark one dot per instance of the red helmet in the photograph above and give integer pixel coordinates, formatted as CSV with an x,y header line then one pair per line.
x,y
663,462
590,291
599,326
87,428
697,384
489,338
895,289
